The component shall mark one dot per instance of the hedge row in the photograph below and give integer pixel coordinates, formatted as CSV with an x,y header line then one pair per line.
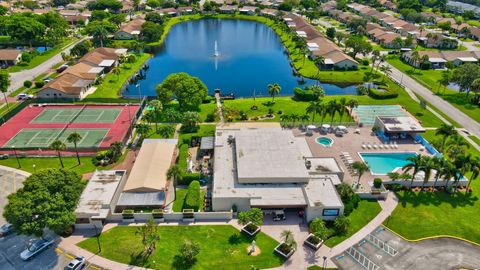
x,y
386,94
192,199
187,178
304,95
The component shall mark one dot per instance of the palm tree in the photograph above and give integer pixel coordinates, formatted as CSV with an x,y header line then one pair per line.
x,y
416,163
157,108
294,117
445,80
116,71
273,90
361,168
332,108
475,88
142,129
288,239
414,58
175,173
58,146
319,62
166,131
448,173
314,107
387,70
74,138
427,168
342,108
317,91
456,146
323,111
394,176
304,118
440,165
475,169
284,118
4,84
445,131
352,103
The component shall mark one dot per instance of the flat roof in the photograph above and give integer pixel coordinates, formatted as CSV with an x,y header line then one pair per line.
x,y
106,63
153,161
269,155
99,192
206,143
141,199
322,193
400,124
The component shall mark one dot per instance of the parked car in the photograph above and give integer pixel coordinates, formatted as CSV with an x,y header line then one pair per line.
x,y
76,264
47,79
6,229
35,248
279,215
62,68
24,96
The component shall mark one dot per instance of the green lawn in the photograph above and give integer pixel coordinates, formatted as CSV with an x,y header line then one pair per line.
x,y
37,60
365,212
424,214
184,141
474,23
51,162
180,199
475,139
221,247
430,79
109,89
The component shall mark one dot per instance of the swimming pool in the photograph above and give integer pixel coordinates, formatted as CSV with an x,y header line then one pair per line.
x,y
383,163
325,141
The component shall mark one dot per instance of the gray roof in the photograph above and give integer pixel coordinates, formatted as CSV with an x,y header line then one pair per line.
x,y
207,143
141,199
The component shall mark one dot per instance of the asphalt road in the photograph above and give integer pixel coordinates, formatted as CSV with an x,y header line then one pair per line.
x,y
17,78
464,120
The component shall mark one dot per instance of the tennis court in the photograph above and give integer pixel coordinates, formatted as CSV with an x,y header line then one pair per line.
x,y
77,115
42,138
366,114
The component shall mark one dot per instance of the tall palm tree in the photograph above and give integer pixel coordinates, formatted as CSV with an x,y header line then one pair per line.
x,y
319,62
58,146
142,129
445,131
318,91
304,118
314,108
445,80
116,71
294,118
475,169
361,169
285,118
273,90
157,108
174,173
74,138
352,103
288,239
414,58
4,84
456,146
386,70
342,108
440,167
427,167
332,108
323,111
475,88
415,164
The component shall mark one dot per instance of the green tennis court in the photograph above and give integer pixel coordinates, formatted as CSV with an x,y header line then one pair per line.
x,y
77,115
42,138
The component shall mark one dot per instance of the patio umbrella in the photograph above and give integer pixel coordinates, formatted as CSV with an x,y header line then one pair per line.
x,y
342,127
311,127
325,126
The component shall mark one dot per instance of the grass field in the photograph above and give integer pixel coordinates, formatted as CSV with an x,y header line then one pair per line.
x,y
221,247
110,88
430,79
71,163
475,139
37,60
42,138
365,212
424,214
180,199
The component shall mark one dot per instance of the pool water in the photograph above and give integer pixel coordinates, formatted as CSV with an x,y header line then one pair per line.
x,y
325,141
383,163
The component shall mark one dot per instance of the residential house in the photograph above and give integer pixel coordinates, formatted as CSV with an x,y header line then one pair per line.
x,y
66,86
9,57
249,10
130,30
440,58
172,12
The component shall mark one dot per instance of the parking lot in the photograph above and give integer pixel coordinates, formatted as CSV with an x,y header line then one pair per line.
x,y
10,181
385,250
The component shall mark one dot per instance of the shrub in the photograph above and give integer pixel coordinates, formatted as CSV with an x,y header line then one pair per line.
x,y
304,95
254,215
377,182
342,223
365,62
192,199
374,93
188,178
39,84
27,84
210,117
127,213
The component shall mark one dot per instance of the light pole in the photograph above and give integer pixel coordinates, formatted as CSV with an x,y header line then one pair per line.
x,y
16,156
139,91
324,262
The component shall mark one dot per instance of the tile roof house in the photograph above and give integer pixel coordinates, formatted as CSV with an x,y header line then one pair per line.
x,y
130,30
66,86
10,57
439,58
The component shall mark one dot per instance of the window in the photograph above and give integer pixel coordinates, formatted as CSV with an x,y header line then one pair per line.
x,y
330,212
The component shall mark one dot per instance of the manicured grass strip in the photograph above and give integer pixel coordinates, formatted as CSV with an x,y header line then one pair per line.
x,y
365,212
37,60
430,80
221,247
50,162
110,88
180,199
475,139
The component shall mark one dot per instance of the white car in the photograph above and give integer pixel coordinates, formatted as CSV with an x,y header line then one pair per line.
x,y
76,264
35,248
24,97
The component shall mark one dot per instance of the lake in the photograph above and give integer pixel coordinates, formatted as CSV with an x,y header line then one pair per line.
x,y
250,56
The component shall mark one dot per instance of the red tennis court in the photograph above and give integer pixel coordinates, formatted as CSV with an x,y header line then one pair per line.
x,y
36,126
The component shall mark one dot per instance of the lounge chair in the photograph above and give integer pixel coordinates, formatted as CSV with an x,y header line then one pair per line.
x,y
395,145
363,145
369,146
380,146
374,145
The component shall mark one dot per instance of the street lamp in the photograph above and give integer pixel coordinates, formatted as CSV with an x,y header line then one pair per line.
x,y
139,91
324,262
16,156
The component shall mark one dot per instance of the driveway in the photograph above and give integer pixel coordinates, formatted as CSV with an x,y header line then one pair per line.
x,y
10,181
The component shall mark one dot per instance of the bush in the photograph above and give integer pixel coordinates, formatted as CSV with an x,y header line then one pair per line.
x,y
374,93
39,84
192,199
27,84
188,178
304,95
377,182
351,205
365,62
254,215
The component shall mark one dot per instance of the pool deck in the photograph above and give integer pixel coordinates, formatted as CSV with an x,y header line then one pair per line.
x,y
352,143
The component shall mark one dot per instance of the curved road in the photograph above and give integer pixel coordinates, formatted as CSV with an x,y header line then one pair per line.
x,y
17,78
458,116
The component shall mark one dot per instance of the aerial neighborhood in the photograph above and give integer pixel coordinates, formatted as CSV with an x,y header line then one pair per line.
x,y
221,134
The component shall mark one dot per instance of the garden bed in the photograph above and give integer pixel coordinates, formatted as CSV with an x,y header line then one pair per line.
x,y
251,229
284,250
313,242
